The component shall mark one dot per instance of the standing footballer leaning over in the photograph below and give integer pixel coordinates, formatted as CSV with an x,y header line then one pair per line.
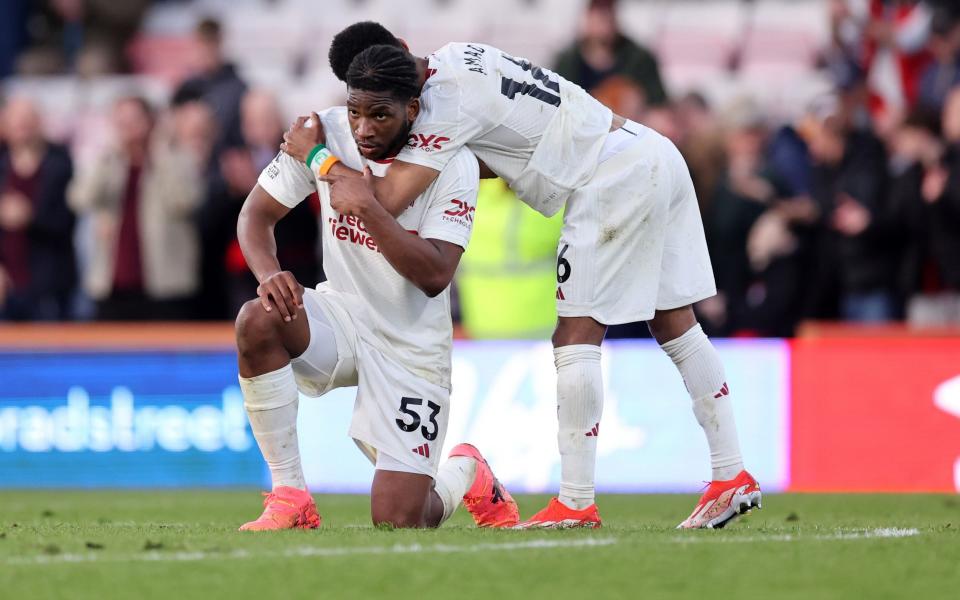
x,y
380,322
632,246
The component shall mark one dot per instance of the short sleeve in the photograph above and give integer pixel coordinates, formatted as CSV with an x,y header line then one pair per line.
x,y
441,129
288,180
453,201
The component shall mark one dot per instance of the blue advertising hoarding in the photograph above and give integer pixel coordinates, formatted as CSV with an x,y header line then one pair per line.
x,y
175,418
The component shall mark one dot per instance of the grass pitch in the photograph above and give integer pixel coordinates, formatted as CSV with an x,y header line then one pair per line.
x,y
183,545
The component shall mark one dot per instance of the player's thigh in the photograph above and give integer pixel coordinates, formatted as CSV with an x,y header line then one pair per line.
x,y
608,259
330,358
398,413
686,274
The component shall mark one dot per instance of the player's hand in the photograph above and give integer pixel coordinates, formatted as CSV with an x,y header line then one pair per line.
x,y
281,291
351,196
934,185
304,134
850,217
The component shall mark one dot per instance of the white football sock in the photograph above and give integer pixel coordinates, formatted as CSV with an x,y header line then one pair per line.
x,y
453,480
702,372
579,406
272,401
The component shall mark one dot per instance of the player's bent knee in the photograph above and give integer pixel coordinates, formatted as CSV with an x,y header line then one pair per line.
x,y
578,330
255,327
400,499
667,325
399,517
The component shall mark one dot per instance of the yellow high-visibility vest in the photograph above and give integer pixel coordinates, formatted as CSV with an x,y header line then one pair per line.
x,y
507,278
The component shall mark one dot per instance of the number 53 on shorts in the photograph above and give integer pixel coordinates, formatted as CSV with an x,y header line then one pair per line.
x,y
412,419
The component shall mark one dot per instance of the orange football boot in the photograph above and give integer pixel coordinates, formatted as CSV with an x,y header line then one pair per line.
x,y
286,508
489,502
558,515
723,502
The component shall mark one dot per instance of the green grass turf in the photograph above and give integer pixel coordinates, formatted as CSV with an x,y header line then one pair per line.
x,y
178,545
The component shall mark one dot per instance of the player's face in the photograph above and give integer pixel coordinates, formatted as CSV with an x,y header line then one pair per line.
x,y
380,123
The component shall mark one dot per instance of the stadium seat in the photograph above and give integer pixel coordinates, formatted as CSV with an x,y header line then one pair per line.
x,y
164,56
689,43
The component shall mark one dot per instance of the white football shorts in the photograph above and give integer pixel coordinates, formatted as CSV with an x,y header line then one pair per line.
x,y
632,239
396,413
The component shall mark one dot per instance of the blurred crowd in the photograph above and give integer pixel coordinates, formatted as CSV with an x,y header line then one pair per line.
x,y
851,211
147,231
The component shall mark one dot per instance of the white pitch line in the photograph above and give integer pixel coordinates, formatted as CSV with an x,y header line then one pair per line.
x,y
311,551
320,551
860,534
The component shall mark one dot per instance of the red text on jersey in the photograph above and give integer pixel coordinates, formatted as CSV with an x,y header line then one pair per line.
x,y
428,143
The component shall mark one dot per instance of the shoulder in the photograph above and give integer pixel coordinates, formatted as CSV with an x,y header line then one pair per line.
x,y
462,170
458,60
333,115
340,140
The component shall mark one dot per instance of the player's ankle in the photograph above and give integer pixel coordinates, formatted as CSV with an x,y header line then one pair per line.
x,y
576,499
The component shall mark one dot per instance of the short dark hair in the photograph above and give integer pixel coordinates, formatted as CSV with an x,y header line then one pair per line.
x,y
384,69
209,30
355,39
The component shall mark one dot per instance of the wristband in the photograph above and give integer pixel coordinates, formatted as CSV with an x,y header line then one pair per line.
x,y
320,159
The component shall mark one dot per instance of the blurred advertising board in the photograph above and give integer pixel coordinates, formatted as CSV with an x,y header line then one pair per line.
x,y
876,415
123,419
175,418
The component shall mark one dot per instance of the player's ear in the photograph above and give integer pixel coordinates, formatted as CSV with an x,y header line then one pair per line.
x,y
413,109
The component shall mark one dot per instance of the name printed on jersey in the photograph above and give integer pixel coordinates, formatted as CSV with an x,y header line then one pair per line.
x,y
473,58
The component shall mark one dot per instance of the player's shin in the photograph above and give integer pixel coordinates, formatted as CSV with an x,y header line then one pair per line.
x,y
579,407
702,372
454,478
271,401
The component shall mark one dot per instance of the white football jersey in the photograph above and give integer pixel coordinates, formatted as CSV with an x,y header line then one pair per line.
x,y
403,321
536,130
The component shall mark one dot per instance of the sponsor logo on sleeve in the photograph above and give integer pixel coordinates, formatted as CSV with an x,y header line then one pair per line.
x,y
460,213
273,170
427,143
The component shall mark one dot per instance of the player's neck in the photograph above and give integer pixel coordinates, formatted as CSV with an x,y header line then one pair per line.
x,y
423,66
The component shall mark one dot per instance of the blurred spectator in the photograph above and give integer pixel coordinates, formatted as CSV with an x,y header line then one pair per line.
x,y
914,148
216,82
13,34
84,36
193,130
624,94
856,253
227,281
141,196
601,50
508,276
944,72
936,300
37,266
701,142
888,40
750,224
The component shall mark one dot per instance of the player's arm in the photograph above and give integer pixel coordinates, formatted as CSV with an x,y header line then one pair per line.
x,y
403,183
427,263
278,288
485,172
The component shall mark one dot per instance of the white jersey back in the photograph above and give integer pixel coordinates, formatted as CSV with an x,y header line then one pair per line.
x,y
536,130
402,321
